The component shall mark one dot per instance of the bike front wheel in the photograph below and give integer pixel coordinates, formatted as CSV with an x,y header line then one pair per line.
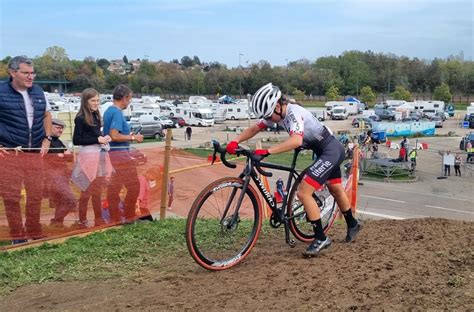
x,y
219,232
299,225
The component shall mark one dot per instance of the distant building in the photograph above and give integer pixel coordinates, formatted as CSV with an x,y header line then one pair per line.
x,y
119,67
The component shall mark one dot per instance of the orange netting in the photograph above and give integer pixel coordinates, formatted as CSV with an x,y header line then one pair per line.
x,y
54,196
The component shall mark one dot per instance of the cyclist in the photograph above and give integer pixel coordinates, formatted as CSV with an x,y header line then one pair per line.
x,y
306,131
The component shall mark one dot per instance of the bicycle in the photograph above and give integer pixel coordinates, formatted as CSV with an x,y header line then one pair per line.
x,y
225,219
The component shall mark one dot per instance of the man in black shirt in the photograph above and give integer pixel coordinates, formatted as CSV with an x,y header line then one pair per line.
x,y
57,174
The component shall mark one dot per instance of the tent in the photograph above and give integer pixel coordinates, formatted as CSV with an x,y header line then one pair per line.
x,y
352,99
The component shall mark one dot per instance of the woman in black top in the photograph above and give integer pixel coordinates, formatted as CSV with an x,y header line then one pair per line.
x,y
93,163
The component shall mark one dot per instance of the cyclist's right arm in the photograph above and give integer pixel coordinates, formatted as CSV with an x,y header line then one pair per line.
x,y
248,133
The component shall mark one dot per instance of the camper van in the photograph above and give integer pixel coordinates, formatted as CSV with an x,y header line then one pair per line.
x,y
196,116
236,111
339,112
429,108
352,108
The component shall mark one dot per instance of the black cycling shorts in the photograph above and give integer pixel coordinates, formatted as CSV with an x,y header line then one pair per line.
x,y
326,167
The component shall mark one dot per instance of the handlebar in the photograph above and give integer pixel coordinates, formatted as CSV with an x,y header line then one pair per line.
x,y
240,151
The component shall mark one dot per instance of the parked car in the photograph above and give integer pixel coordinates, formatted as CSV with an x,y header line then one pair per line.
x,y
178,121
415,116
442,115
438,121
138,157
357,121
375,118
464,140
148,129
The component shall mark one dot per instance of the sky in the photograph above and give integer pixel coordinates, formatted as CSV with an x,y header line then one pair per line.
x,y
236,32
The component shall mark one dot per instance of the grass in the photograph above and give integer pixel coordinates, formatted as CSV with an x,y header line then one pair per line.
x,y
109,254
115,253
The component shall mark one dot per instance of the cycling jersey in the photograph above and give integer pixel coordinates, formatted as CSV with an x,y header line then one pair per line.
x,y
301,122
329,151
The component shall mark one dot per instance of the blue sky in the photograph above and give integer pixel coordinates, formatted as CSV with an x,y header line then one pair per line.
x,y
220,30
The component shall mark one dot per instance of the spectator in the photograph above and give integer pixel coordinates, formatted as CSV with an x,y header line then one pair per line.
x,y
402,154
143,201
470,151
280,187
58,173
170,192
412,155
25,122
448,161
93,163
188,133
404,143
117,127
457,164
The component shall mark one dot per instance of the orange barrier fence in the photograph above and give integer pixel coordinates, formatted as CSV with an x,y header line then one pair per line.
x,y
56,196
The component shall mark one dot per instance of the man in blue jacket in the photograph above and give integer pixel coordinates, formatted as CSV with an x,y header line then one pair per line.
x,y
25,125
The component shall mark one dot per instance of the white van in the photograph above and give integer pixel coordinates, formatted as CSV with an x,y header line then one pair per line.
x,y
339,112
352,108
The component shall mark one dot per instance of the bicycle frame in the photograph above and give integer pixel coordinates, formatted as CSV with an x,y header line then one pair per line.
x,y
250,173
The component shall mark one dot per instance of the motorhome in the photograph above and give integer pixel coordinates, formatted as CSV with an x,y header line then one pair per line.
x,y
352,108
236,111
195,116
149,117
429,108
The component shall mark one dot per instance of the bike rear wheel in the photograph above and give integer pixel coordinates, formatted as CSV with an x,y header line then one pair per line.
x,y
299,225
218,238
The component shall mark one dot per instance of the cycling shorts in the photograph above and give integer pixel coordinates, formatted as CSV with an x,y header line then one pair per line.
x,y
326,167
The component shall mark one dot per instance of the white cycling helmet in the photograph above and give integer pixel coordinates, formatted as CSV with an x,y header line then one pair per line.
x,y
265,100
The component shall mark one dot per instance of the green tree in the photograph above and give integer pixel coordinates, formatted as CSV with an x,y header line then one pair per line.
x,y
367,95
125,59
299,95
442,93
58,54
332,93
186,61
401,93
103,63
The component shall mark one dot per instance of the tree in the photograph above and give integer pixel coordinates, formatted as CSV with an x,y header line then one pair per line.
x,y
196,60
58,54
125,59
103,63
332,93
186,61
367,95
442,93
401,93
299,95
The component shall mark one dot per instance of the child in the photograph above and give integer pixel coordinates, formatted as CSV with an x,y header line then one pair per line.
x,y
143,199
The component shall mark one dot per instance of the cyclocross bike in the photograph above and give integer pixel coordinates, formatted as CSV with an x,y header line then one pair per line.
x,y
225,219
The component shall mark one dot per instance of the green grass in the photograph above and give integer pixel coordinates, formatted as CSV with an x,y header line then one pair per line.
x,y
109,254
116,253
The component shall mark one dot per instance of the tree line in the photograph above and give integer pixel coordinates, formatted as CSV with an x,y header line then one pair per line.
x,y
351,73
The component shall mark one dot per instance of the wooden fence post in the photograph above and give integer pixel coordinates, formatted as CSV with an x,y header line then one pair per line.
x,y
166,169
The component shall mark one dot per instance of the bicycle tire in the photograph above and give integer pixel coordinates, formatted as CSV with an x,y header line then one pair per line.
x,y
299,225
218,245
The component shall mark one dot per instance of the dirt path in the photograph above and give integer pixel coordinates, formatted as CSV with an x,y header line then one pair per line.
x,y
395,265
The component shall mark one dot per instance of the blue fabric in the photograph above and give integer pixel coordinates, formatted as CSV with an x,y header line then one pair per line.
x,y
14,129
114,119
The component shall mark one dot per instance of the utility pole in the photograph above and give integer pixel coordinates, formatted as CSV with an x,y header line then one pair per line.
x,y
240,75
